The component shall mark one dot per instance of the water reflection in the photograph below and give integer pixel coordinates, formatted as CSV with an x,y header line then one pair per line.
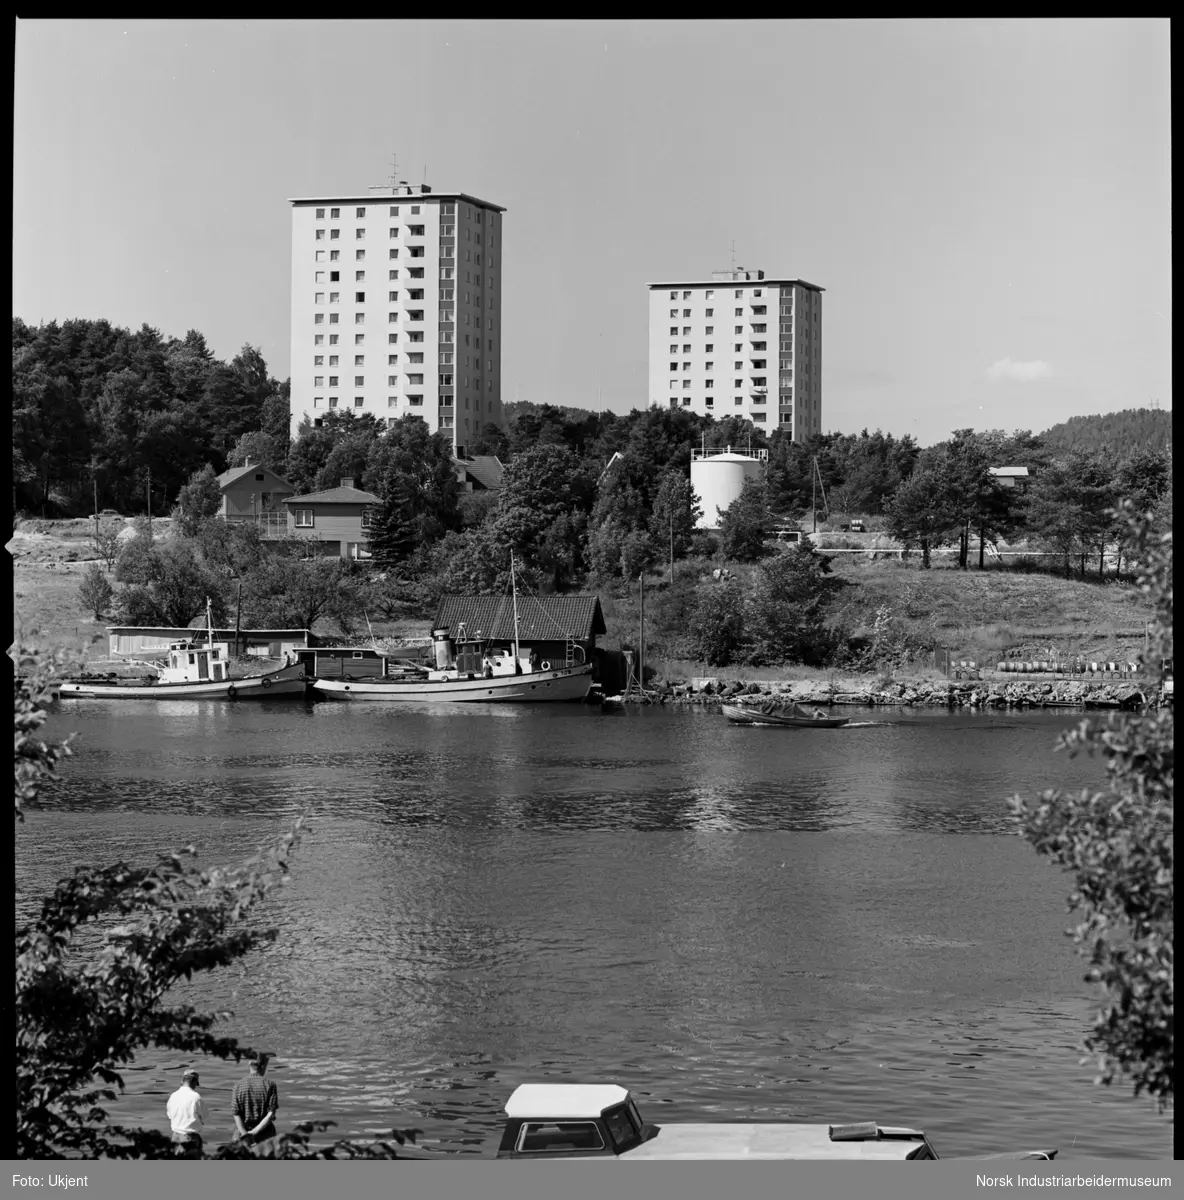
x,y
752,923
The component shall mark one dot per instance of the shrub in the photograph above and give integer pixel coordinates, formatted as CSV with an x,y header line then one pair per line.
x,y
717,623
784,613
95,591
1119,845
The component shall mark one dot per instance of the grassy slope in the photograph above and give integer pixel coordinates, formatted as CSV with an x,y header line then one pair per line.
x,y
972,614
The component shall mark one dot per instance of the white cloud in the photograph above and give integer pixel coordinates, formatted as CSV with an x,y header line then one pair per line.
x,y
1025,372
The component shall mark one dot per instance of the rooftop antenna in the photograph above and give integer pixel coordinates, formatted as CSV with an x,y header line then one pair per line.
x,y
733,256
394,170
425,174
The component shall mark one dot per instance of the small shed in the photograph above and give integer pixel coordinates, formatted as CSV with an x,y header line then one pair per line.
x,y
1011,477
549,626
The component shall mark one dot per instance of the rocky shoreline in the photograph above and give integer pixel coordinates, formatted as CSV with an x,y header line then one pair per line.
x,y
1062,693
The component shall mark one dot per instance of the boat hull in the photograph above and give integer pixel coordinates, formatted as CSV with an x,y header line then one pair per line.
x,y
567,683
288,681
740,715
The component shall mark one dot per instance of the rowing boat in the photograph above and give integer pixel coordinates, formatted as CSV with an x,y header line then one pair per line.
x,y
792,716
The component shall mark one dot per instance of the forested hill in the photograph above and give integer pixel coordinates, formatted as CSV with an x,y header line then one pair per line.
x,y
1116,433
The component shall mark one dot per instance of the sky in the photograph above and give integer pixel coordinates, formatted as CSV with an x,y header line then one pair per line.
x,y
985,203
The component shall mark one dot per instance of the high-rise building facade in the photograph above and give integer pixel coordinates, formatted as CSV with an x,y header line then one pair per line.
x,y
396,308
739,344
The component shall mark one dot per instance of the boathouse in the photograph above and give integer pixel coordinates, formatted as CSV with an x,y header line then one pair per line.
x,y
142,641
554,628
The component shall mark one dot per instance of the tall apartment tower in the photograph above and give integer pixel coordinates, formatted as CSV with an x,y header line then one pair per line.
x,y
740,344
396,308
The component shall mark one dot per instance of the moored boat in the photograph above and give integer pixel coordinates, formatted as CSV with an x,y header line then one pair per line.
x,y
772,713
464,669
192,670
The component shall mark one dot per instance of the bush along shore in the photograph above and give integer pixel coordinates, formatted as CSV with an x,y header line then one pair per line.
x,y
904,693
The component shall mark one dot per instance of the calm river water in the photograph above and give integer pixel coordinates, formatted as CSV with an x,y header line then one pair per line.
x,y
743,922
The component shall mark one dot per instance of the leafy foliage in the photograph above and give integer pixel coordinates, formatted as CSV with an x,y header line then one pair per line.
x,y
1118,434
785,611
198,500
922,512
744,526
288,591
95,590
106,542
717,623
1119,846
35,761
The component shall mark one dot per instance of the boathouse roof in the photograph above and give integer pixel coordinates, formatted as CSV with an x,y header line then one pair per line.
x,y
540,618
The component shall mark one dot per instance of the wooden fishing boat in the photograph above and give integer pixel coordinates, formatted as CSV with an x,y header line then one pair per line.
x,y
771,714
467,670
602,1121
192,670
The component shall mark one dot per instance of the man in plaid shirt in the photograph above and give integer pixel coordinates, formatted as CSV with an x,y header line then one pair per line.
x,y
255,1103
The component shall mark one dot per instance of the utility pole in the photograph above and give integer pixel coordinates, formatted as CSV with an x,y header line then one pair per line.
x,y
149,490
641,635
672,547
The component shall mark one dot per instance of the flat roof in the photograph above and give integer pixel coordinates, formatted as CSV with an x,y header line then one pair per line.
x,y
402,198
726,283
564,1100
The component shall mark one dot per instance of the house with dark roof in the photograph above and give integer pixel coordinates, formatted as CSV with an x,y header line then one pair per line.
x,y
1011,477
480,473
554,628
336,520
255,494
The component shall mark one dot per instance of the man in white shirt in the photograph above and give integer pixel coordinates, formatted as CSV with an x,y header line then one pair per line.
x,y
187,1115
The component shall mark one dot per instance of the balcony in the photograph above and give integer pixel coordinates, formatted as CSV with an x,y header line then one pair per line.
x,y
270,523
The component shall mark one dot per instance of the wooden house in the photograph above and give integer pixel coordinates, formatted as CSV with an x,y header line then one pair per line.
x,y
336,520
480,473
255,494
556,629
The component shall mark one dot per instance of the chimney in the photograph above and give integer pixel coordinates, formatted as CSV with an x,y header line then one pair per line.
x,y
348,481
248,462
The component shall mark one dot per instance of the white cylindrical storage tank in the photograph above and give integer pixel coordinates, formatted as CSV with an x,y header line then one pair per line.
x,y
717,481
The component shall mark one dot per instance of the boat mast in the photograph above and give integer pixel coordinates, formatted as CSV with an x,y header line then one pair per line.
x,y
514,591
209,623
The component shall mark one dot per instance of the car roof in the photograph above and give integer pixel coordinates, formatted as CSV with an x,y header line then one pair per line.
x,y
564,1100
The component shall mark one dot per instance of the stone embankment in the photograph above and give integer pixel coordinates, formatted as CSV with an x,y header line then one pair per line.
x,y
928,693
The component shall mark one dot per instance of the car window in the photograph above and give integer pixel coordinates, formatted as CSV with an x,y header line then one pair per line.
x,y
557,1136
620,1126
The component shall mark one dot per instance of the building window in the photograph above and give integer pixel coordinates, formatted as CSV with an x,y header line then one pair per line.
x,y
710,401
711,312
359,212
359,235
738,401
393,275
415,231
739,329
673,295
447,273
447,230
674,312
757,292
359,360
359,318
334,214
320,235
392,381
417,252
739,383
359,297
334,234
332,380
359,256
758,381
332,339
759,310
674,366
333,318
686,349
686,384
415,379
334,255
318,318
334,297
359,277
416,401
758,416
304,518
758,345
686,312
318,297
318,339
394,210
318,360
686,331
445,380
359,339
739,312
415,358
333,359
709,384
318,381
332,401
448,210
686,400
758,364
358,401
674,348
320,256
394,253
320,214
334,276
759,328
674,331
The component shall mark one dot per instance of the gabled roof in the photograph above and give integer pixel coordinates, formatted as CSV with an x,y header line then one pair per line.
x,y
485,469
1009,472
337,495
540,618
235,473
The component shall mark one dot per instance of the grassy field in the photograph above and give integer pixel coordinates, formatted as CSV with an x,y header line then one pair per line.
x,y
971,614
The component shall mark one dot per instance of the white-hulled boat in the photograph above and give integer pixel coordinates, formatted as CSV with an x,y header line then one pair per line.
x,y
468,669
191,670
